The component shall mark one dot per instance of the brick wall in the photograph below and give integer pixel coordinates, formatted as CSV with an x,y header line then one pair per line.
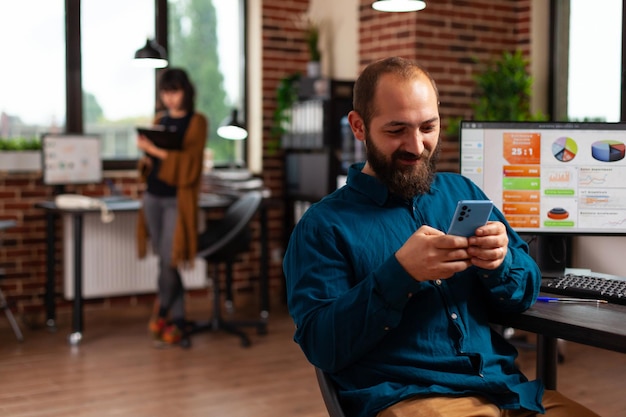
x,y
453,39
23,248
446,38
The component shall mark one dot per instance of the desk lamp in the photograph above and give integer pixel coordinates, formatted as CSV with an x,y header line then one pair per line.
x,y
398,5
232,129
152,55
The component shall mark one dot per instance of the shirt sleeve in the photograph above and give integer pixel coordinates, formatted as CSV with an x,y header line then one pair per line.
x,y
513,286
338,319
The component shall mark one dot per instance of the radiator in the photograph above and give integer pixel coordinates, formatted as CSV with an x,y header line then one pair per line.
x,y
110,263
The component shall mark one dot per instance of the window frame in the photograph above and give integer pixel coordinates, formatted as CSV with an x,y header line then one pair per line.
x,y
559,61
73,72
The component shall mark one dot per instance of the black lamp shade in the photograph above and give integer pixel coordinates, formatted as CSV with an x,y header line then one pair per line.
x,y
231,128
151,55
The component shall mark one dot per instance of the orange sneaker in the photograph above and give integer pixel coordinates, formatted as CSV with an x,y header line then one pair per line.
x,y
156,327
172,335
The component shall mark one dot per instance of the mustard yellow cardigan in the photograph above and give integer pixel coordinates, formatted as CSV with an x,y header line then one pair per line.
x,y
182,169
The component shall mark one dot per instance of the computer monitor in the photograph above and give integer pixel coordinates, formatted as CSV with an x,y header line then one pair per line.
x,y
71,159
547,177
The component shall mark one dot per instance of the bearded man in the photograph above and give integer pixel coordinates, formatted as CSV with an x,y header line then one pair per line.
x,y
392,308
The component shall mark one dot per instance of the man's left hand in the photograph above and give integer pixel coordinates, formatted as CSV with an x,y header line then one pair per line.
x,y
488,246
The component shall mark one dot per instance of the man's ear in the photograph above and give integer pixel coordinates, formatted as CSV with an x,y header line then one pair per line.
x,y
357,125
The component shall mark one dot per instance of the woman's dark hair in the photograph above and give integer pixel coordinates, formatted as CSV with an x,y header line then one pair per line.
x,y
177,79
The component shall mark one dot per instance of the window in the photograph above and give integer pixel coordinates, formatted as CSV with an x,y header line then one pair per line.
x,y
32,86
117,96
595,56
206,38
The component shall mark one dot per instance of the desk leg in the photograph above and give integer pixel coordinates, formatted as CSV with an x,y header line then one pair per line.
x,y
50,271
77,319
547,360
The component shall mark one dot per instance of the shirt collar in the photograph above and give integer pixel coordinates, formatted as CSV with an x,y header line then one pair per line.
x,y
371,186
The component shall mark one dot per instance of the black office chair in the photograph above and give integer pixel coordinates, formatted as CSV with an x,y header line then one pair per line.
x,y
329,394
4,305
223,242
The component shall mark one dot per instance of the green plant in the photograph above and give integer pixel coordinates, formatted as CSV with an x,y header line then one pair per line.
x,y
311,36
286,96
504,90
311,28
20,144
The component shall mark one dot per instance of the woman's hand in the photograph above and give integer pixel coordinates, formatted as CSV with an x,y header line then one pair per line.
x,y
146,145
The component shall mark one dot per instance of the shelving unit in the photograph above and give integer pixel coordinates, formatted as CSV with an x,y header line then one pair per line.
x,y
319,145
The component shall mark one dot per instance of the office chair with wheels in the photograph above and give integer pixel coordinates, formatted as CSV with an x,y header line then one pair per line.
x,y
329,394
4,305
222,242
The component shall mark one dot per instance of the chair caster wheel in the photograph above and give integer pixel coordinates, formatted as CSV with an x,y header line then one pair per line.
x,y
185,342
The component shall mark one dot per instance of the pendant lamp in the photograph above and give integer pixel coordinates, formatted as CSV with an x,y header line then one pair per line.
x,y
399,5
232,128
152,55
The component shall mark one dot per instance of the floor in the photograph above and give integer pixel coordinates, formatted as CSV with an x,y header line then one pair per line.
x,y
116,371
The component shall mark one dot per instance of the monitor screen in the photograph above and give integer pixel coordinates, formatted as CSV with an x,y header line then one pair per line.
x,y
550,177
71,159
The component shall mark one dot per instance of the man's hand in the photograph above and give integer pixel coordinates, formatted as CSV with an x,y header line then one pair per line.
x,y
430,254
488,246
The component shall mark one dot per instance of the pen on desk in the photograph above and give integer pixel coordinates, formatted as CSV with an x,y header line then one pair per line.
x,y
569,300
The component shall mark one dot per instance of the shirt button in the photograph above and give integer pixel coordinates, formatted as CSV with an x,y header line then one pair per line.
x,y
410,295
454,316
386,328
438,282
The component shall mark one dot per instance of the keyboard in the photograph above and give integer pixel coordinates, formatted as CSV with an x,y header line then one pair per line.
x,y
596,286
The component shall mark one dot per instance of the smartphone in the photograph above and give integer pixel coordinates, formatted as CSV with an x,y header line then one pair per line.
x,y
468,216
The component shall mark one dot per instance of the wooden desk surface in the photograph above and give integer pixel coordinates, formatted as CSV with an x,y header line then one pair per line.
x,y
599,325
206,201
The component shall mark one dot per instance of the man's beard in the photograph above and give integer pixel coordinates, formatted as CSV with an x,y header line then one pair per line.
x,y
406,181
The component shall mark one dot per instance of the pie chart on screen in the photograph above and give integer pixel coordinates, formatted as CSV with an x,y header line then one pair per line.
x,y
608,150
564,149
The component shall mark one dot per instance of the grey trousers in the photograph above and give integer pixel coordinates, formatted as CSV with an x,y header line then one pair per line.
x,y
161,214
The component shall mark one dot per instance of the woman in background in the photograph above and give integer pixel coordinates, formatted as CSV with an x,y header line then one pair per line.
x,y
168,217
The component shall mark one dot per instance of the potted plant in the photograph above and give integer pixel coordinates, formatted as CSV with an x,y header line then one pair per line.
x,y
311,29
20,154
286,96
311,36
504,92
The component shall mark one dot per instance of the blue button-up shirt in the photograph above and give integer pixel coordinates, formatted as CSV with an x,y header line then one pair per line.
x,y
382,335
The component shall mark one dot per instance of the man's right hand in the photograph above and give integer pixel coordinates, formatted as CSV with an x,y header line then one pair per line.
x,y
430,254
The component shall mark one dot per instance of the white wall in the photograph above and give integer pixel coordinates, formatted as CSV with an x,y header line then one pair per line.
x,y
339,37
255,95
600,254
539,54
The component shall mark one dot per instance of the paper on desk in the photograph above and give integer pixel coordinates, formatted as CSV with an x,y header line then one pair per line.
x,y
578,271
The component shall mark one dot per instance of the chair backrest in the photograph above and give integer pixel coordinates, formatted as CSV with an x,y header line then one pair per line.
x,y
329,394
229,227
